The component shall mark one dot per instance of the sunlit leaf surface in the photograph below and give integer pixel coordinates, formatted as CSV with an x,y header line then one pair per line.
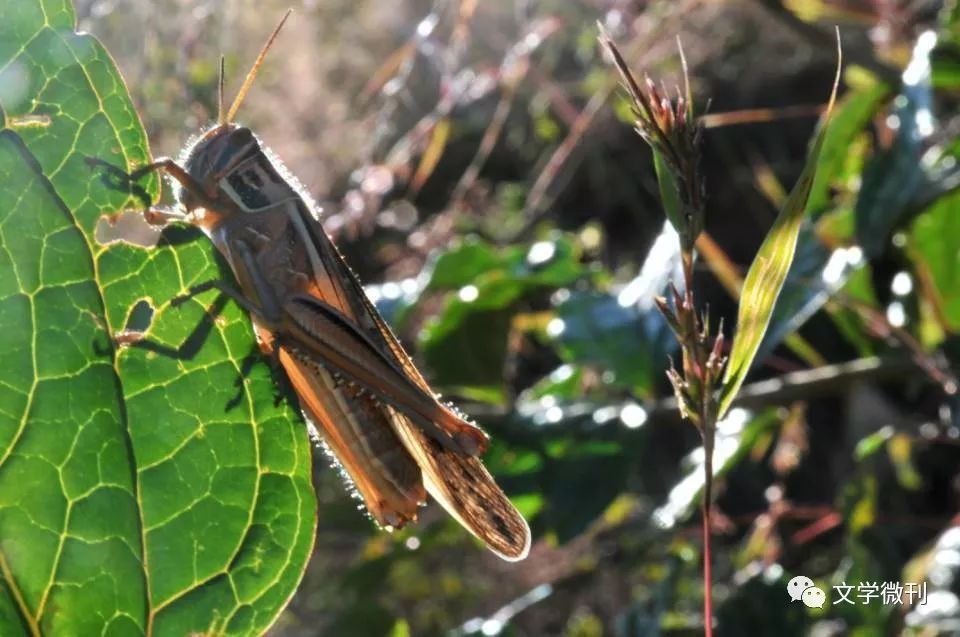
x,y
935,240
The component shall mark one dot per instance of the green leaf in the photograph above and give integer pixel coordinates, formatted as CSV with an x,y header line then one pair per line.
x,y
872,443
400,629
902,180
768,271
949,20
630,342
945,61
563,383
461,264
804,290
466,344
141,491
669,195
935,248
901,450
853,113
624,334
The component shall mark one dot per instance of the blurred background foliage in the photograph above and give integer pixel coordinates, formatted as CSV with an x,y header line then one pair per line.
x,y
476,165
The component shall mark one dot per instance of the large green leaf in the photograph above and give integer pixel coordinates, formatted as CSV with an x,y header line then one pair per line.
x,y
935,246
629,341
901,181
466,344
767,273
142,490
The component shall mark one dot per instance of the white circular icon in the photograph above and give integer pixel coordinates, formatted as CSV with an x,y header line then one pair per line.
x,y
797,585
813,597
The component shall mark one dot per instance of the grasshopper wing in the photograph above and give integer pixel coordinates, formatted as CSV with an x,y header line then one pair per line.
x,y
453,476
464,487
359,434
336,287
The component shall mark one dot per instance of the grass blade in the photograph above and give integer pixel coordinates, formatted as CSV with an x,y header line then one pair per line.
x,y
769,268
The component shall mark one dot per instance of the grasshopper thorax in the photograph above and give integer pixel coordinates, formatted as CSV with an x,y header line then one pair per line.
x,y
235,172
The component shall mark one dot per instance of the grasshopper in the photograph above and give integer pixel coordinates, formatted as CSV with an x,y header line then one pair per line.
x,y
353,379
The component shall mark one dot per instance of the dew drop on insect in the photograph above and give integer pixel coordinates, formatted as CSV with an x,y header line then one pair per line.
x,y
902,284
896,314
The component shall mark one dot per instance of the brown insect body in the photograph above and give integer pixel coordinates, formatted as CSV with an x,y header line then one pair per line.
x,y
353,379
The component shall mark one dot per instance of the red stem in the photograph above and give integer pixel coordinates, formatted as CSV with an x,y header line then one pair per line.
x,y
707,552
708,425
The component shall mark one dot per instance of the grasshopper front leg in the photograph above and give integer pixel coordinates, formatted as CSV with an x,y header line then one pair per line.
x,y
128,181
116,179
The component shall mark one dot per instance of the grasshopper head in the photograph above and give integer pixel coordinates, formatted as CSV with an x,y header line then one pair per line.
x,y
212,156
237,173
226,161
217,149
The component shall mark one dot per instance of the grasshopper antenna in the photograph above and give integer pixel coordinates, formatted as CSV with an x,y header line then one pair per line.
x,y
220,110
253,71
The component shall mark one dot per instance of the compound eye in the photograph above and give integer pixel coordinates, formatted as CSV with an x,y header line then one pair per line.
x,y
248,187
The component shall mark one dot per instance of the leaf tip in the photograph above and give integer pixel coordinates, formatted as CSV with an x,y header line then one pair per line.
x,y
836,77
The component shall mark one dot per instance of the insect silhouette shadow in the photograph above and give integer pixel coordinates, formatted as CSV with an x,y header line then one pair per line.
x,y
194,341
115,178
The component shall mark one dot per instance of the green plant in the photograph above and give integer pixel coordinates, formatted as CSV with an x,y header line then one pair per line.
x,y
709,381
528,298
